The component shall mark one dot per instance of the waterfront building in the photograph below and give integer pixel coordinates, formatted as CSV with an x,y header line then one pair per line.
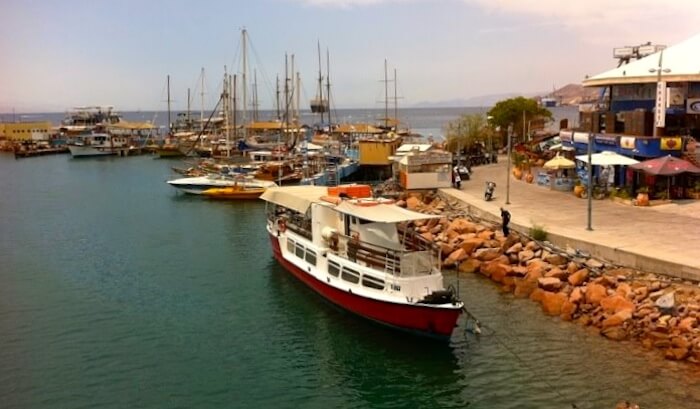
x,y
25,131
646,109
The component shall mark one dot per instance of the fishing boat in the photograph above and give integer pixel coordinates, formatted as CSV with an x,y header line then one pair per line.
x,y
197,185
358,253
98,144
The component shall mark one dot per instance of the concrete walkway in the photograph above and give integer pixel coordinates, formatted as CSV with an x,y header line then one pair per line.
x,y
663,239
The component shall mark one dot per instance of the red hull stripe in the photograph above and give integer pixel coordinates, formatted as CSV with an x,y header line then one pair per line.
x,y
415,318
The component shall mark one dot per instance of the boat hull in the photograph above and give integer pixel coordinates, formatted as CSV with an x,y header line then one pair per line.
x,y
226,193
89,151
435,321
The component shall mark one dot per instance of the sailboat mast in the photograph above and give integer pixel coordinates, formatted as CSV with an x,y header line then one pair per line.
x,y
328,85
188,108
320,81
396,101
255,95
297,115
234,105
277,95
224,98
386,96
169,121
201,106
245,80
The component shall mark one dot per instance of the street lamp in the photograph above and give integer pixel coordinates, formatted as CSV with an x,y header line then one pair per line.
x,y
488,121
660,109
589,188
510,144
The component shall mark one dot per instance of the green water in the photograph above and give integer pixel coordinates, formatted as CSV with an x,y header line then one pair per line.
x,y
117,292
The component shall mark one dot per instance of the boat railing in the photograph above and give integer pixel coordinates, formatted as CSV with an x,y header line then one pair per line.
x,y
397,262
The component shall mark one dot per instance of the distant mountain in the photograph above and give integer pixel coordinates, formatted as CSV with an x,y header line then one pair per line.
x,y
570,94
478,101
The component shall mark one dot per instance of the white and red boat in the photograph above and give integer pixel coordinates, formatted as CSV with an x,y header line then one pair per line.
x,y
358,253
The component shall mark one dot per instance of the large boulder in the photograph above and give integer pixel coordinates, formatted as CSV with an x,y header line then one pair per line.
x,y
556,259
552,302
595,293
455,257
557,272
470,265
515,248
413,203
549,283
526,255
578,277
497,271
487,254
616,303
523,288
617,319
568,309
617,333
471,244
462,226
576,295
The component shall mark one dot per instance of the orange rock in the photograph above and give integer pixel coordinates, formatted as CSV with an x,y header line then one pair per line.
x,y
616,303
537,294
576,295
428,236
578,277
568,309
469,265
534,275
495,270
617,319
471,244
553,302
595,293
549,283
680,342
687,324
623,289
455,257
614,333
556,259
486,235
446,249
462,226
487,254
556,272
676,354
413,203
537,265
524,288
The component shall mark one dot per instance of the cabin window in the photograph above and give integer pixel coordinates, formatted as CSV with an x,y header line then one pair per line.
x,y
372,282
311,257
290,246
333,268
299,251
350,276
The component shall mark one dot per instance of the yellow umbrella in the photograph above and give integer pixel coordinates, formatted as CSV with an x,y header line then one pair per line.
x,y
559,162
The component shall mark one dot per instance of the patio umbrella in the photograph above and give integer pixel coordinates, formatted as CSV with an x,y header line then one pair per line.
x,y
559,162
607,158
560,147
666,166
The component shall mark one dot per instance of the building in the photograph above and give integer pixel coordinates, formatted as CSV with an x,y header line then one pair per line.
x,y
419,166
25,131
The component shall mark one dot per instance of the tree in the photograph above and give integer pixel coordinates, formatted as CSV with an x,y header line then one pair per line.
x,y
465,131
509,112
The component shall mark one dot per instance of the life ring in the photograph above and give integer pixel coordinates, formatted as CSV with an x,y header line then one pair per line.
x,y
281,225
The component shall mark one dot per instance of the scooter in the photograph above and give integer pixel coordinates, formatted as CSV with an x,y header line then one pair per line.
x,y
488,193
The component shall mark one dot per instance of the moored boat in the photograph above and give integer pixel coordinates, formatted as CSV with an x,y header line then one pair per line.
x,y
99,144
358,254
197,185
236,192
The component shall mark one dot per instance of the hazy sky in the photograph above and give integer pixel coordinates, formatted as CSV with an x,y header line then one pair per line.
x,y
58,54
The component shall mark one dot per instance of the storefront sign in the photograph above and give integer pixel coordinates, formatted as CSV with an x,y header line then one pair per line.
x,y
660,108
581,137
671,144
693,106
606,140
627,142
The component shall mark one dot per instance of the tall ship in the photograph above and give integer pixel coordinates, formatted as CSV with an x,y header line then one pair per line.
x,y
85,119
359,253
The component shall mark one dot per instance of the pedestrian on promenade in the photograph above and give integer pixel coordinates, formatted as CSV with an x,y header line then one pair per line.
x,y
458,181
505,219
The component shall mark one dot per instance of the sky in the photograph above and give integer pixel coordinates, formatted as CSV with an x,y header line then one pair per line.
x,y
57,54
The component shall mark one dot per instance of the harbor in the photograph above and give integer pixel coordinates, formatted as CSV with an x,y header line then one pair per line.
x,y
173,295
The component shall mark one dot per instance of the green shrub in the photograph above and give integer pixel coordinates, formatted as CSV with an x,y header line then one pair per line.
x,y
538,232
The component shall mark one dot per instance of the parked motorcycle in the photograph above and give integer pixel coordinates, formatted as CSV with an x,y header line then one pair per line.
x,y
488,193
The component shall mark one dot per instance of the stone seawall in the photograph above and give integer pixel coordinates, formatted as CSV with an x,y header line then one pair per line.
x,y
623,303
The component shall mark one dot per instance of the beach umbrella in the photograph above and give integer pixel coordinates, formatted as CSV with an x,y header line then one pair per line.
x,y
607,158
666,166
559,162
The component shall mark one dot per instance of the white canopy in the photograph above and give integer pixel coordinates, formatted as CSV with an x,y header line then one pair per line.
x,y
682,59
607,158
297,198
382,213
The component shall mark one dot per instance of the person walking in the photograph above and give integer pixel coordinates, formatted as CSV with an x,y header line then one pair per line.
x,y
458,180
505,219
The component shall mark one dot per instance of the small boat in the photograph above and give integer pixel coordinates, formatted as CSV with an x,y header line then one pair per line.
x,y
360,255
197,185
235,192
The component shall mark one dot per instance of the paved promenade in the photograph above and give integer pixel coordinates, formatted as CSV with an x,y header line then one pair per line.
x,y
663,239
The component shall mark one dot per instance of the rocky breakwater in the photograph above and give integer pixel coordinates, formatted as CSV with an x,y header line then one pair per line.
x,y
661,313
